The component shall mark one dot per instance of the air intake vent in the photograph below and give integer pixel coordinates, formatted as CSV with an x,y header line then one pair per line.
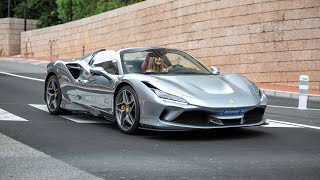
x,y
148,85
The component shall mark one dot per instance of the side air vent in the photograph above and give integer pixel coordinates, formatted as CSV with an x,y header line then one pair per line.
x,y
148,85
74,70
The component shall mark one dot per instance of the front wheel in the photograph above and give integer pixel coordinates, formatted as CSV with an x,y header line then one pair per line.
x,y
127,110
54,96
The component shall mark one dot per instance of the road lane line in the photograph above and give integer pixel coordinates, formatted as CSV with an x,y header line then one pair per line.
x,y
294,124
25,61
281,125
78,118
6,116
286,107
40,106
24,77
39,62
85,119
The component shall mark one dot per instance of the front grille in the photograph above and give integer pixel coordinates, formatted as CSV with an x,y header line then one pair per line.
x,y
200,118
253,116
231,122
203,118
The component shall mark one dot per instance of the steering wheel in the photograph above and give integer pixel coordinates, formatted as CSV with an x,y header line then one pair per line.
x,y
176,66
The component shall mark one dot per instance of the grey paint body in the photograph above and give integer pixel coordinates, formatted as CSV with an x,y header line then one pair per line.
x,y
211,94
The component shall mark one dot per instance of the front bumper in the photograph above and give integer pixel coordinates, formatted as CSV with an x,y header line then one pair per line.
x,y
169,115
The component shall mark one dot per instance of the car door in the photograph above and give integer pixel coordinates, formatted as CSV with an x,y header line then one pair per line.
x,y
95,90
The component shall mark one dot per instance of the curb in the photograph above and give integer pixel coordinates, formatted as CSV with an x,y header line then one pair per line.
x,y
21,59
291,95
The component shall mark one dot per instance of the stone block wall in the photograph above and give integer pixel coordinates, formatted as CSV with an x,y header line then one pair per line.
x,y
10,35
268,41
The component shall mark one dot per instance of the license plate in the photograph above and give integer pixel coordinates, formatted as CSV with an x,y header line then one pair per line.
x,y
233,112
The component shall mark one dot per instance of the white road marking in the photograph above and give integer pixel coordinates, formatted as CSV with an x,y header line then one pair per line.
x,y
30,61
286,107
13,60
24,77
82,118
281,125
6,116
7,60
40,106
78,118
293,124
39,62
16,60
25,61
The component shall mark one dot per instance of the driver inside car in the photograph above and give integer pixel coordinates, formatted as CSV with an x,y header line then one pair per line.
x,y
154,63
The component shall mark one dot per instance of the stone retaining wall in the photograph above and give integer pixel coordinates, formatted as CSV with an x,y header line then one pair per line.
x,y
268,41
10,35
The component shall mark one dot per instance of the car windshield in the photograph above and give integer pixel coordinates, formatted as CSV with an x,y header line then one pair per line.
x,y
160,61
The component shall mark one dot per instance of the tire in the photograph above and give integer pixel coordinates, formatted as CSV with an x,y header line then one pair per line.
x,y
127,110
53,96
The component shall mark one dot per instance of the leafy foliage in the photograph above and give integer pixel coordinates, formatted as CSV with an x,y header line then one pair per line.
x,y
4,7
52,12
86,8
42,10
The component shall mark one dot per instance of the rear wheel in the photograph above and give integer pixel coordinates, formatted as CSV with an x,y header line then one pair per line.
x,y
127,110
54,96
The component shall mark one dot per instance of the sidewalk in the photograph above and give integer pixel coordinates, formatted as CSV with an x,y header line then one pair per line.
x,y
285,88
287,92
19,161
23,58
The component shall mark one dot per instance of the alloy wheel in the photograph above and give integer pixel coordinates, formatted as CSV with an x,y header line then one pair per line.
x,y
126,109
52,94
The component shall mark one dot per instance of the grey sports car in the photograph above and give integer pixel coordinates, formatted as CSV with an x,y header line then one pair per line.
x,y
153,88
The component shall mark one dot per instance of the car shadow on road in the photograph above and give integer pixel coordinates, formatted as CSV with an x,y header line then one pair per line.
x,y
216,134
194,135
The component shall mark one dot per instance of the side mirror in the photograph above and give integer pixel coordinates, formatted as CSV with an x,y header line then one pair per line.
x,y
215,70
99,71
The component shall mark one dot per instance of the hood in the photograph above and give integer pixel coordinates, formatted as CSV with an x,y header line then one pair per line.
x,y
229,90
196,85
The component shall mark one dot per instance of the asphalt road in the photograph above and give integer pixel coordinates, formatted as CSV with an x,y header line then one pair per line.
x,y
281,152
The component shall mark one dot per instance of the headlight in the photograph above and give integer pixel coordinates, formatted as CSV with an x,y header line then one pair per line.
x,y
168,96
